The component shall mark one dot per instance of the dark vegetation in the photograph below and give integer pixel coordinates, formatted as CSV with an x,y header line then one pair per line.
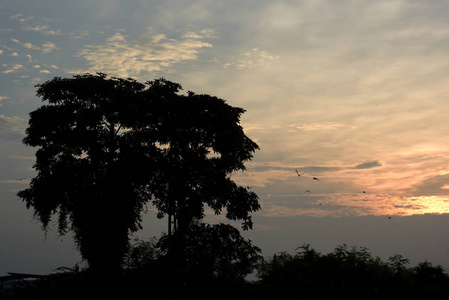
x,y
109,147
216,269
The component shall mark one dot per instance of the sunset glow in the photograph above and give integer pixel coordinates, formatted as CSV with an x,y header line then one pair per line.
x,y
341,205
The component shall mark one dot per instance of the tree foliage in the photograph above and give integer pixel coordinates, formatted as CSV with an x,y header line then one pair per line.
x,y
216,251
215,256
107,147
202,144
349,273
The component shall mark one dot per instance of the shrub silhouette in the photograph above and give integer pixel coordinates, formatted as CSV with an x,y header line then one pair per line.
x,y
348,273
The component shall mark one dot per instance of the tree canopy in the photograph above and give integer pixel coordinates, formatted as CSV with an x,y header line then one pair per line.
x,y
108,147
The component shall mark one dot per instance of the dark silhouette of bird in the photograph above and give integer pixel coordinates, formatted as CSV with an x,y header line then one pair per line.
x,y
307,191
319,203
314,178
389,217
20,179
364,192
299,174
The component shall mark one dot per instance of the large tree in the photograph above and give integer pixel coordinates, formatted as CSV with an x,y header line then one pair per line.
x,y
108,146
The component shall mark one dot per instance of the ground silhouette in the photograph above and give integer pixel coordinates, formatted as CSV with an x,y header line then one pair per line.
x,y
345,273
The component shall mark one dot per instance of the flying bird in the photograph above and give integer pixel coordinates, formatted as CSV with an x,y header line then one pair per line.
x,y
20,179
298,173
314,178
307,191
389,217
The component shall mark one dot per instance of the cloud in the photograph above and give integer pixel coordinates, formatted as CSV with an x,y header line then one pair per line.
x,y
26,45
368,165
30,46
434,185
36,80
12,127
15,16
23,157
3,98
20,18
82,34
251,59
13,68
47,47
425,32
351,204
35,28
42,29
202,34
317,126
150,52
247,127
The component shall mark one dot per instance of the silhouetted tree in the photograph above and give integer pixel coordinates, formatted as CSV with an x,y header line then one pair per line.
x,y
93,169
203,144
109,146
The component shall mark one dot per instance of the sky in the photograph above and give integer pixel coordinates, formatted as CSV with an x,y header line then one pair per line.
x,y
352,93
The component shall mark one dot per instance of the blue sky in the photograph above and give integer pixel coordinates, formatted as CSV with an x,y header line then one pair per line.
x,y
351,92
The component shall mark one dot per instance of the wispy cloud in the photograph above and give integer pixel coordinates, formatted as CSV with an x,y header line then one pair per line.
x,y
46,47
23,157
352,204
36,28
317,126
368,165
21,18
253,58
150,52
4,97
42,29
13,68
202,34
12,127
